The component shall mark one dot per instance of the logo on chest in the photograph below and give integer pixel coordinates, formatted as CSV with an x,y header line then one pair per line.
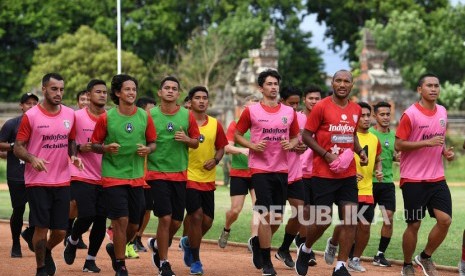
x,y
129,127
201,138
67,124
170,127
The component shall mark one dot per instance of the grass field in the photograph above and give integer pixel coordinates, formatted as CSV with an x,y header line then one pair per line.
x,y
447,254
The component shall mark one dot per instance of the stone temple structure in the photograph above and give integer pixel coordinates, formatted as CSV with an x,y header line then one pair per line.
x,y
228,103
380,80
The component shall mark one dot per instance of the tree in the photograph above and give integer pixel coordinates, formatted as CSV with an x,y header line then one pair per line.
x,y
344,19
80,57
424,44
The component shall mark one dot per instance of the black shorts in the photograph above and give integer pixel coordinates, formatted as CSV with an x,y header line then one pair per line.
x,y
196,199
385,195
49,207
17,191
240,185
148,199
308,190
89,199
296,190
169,198
327,191
124,201
271,191
367,211
425,195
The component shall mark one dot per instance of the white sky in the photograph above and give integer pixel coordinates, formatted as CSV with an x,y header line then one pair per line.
x,y
333,61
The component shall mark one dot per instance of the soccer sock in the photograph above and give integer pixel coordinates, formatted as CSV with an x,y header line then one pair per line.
x,y
16,223
423,255
81,225
339,264
266,255
287,241
91,258
97,235
196,254
70,226
226,230
305,249
120,263
383,244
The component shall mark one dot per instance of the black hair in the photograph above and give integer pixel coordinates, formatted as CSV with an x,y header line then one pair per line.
x,y
169,78
313,89
422,78
117,83
344,71
93,83
186,99
289,91
381,104
197,89
267,73
47,77
364,105
79,94
142,102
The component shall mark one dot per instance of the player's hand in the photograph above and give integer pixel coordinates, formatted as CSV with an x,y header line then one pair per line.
x,y
435,141
143,150
379,175
76,161
39,164
285,144
300,148
209,164
359,177
111,148
363,158
449,153
244,151
260,146
87,147
181,136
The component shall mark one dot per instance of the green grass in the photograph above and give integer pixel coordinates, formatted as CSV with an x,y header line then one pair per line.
x,y
447,254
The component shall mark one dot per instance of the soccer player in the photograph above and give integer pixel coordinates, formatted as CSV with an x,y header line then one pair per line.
x,y
366,205
145,103
15,172
125,134
312,95
420,134
44,142
384,192
330,132
241,182
86,185
201,175
290,96
177,131
82,100
273,131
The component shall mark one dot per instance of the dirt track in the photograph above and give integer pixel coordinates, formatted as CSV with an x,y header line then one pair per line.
x,y
233,260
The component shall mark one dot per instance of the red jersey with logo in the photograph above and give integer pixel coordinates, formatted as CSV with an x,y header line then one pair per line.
x,y
335,129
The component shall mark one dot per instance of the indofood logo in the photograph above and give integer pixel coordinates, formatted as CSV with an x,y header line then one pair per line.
x,y
342,128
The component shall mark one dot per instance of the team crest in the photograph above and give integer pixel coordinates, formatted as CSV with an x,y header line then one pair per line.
x,y
284,120
129,127
170,127
442,122
355,117
67,124
344,117
386,143
201,138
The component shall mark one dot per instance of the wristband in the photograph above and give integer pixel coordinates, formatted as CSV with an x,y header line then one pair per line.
x,y
12,145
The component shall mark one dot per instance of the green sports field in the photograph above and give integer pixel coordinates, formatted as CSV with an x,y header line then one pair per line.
x,y
448,253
